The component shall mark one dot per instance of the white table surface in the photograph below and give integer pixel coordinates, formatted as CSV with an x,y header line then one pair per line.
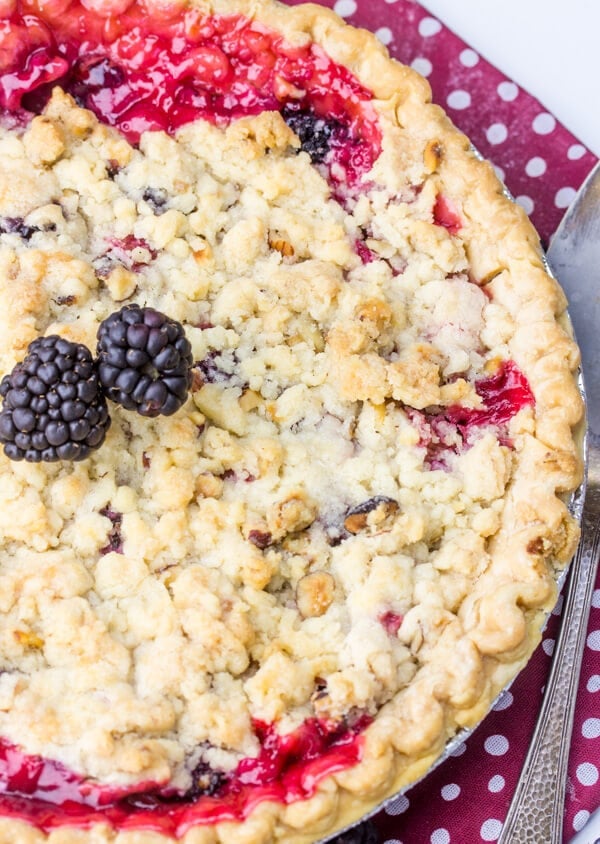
x,y
549,47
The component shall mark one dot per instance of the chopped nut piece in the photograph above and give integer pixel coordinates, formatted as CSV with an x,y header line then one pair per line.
x,y
283,246
314,593
28,639
291,515
121,283
375,514
260,538
250,400
432,156
209,486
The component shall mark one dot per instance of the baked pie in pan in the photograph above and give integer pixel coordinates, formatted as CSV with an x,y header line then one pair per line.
x,y
251,614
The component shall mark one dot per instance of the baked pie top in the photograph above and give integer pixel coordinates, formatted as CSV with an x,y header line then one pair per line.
x,y
255,618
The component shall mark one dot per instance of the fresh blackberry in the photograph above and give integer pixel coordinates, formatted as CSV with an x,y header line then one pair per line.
x,y
53,407
316,134
144,361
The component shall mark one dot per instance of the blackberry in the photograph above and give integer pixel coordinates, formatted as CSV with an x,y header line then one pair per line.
x,y
144,361
157,199
18,226
115,537
316,134
89,77
205,781
53,407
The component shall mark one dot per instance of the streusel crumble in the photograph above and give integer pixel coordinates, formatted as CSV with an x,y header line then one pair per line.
x,y
253,618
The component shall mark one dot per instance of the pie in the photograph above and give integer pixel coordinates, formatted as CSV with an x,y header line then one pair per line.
x,y
254,618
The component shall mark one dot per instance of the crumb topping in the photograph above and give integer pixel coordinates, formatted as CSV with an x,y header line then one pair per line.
x,y
213,568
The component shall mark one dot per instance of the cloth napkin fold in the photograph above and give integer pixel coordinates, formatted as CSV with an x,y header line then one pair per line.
x,y
466,799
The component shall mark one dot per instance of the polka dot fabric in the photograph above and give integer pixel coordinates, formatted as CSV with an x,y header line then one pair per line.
x,y
466,798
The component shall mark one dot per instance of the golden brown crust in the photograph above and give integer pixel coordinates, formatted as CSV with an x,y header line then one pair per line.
x,y
492,630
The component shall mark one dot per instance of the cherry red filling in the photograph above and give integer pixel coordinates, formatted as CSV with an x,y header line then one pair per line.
x,y
446,215
454,429
287,768
138,74
391,621
366,255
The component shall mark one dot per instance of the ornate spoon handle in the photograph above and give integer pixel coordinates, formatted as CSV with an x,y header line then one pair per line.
x,y
536,812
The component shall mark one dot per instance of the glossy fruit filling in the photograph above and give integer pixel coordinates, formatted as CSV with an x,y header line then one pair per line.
x,y
139,72
455,428
287,768
446,215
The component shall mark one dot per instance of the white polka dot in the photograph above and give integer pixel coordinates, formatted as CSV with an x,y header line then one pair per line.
x,y
526,203
497,133
504,701
458,750
596,599
544,123
499,172
422,66
398,805
469,58
496,745
429,27
508,91
496,784
392,840
548,646
459,99
345,8
587,774
591,728
580,819
384,34
535,167
576,151
564,197
593,640
559,605
491,829
450,791
440,836
593,684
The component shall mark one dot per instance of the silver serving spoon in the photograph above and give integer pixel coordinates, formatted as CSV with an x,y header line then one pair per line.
x,y
535,815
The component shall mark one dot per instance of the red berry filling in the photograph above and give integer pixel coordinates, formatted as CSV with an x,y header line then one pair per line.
x,y
140,74
287,768
366,255
121,251
391,621
446,215
453,429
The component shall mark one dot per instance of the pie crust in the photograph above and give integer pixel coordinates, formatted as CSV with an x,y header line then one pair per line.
x,y
318,533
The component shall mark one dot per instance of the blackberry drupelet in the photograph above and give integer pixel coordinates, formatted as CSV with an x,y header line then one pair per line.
x,y
316,134
205,781
53,407
144,361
